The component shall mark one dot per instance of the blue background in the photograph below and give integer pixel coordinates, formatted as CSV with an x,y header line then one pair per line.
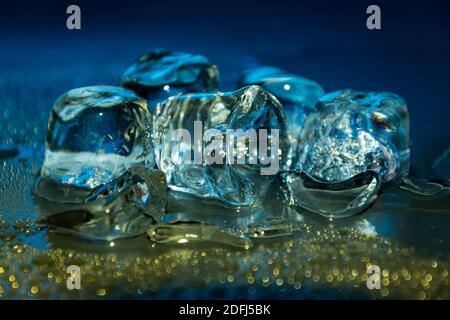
x,y
323,40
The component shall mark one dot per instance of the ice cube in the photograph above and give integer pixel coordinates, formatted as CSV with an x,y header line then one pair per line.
x,y
352,132
124,207
224,146
333,199
159,74
95,134
298,95
186,232
423,188
268,218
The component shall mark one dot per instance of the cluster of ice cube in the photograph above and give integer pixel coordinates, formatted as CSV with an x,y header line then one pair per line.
x,y
333,150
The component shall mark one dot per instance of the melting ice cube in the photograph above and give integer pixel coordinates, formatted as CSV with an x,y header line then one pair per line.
x,y
333,200
159,74
352,132
124,207
225,146
95,134
298,95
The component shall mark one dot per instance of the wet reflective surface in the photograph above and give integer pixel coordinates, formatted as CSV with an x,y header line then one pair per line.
x,y
311,257
271,251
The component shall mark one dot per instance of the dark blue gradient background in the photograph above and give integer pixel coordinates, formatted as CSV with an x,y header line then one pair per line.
x,y
321,39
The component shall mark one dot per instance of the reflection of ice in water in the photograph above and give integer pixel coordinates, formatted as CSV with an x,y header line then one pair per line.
x,y
96,134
